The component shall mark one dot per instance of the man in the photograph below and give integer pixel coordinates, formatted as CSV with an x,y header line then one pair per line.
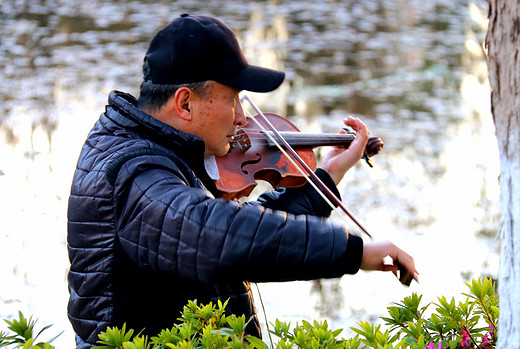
x,y
146,232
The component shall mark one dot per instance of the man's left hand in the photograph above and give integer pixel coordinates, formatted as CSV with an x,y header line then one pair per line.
x,y
340,159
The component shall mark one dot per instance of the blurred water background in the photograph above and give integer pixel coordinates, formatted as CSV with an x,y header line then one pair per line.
x,y
414,71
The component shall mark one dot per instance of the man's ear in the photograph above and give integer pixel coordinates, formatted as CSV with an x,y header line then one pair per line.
x,y
182,103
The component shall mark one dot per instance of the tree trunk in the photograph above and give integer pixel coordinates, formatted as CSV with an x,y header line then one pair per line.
x,y
503,45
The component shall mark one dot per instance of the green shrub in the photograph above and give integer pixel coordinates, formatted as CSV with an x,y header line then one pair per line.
x,y
468,324
472,323
23,336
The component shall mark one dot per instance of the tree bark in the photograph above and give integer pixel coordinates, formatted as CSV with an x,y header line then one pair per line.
x,y
503,46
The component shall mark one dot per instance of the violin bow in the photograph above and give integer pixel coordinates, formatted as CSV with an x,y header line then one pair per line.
x,y
316,181
405,277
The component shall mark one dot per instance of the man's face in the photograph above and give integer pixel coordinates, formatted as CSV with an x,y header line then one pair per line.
x,y
217,114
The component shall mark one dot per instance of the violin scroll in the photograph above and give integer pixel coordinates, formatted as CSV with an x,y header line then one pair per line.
x,y
374,146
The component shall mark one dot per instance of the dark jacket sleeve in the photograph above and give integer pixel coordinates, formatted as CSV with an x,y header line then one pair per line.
x,y
303,200
166,225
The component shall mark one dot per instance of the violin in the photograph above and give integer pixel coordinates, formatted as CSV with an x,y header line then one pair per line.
x,y
254,156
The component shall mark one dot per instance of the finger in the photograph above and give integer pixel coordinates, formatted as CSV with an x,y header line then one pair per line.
x,y
407,270
406,261
358,126
405,277
351,122
390,267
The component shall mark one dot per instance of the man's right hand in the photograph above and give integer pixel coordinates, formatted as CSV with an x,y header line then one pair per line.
x,y
375,252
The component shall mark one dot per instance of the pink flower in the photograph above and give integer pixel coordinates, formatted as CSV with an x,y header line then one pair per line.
x,y
432,346
492,333
465,339
487,340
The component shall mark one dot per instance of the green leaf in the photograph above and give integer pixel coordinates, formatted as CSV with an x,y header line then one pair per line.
x,y
28,344
113,337
337,332
238,324
256,342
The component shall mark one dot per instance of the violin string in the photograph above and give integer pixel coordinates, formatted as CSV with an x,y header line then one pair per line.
x,y
265,314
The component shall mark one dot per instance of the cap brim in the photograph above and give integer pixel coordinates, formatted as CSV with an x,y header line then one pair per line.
x,y
255,79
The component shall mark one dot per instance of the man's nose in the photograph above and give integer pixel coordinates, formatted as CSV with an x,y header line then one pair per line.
x,y
240,116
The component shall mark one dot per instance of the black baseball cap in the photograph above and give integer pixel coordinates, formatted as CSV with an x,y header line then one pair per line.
x,y
198,48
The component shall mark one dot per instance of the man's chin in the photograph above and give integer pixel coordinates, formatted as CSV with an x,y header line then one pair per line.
x,y
228,149
224,151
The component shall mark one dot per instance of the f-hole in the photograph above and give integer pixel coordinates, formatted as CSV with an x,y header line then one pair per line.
x,y
250,162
